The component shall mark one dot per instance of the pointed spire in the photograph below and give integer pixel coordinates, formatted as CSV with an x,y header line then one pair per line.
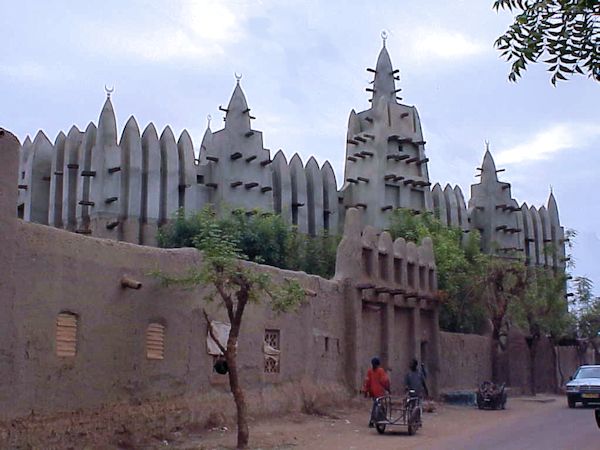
x,y
384,84
40,138
73,132
552,206
353,124
488,168
107,125
131,127
205,145
238,113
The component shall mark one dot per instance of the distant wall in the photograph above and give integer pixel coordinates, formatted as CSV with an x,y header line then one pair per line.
x,y
466,360
62,272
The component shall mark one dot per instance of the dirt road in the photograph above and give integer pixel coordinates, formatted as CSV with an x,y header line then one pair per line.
x,y
525,424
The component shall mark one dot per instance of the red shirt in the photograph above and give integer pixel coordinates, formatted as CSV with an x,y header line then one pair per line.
x,y
377,382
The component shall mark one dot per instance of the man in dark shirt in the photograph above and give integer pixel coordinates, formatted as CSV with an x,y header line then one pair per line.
x,y
415,380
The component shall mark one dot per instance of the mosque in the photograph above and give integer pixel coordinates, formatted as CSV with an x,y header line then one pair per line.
x,y
97,183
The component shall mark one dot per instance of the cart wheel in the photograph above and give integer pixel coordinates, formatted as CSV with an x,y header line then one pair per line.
x,y
414,421
380,428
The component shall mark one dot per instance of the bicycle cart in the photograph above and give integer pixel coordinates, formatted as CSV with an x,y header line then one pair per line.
x,y
398,411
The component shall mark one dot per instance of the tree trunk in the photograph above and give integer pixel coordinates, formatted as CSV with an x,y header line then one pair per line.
x,y
495,355
556,354
243,433
532,354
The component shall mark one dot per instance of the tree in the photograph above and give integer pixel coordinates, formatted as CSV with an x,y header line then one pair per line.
x,y
542,311
263,237
236,285
502,283
459,262
564,32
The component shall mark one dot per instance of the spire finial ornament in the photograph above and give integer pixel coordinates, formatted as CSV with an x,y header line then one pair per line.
x,y
384,36
238,77
487,145
108,90
551,190
208,119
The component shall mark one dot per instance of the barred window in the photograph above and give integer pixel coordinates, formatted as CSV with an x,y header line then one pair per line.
x,y
155,341
66,335
272,351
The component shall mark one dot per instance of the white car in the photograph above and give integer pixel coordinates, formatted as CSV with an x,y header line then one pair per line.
x,y
584,386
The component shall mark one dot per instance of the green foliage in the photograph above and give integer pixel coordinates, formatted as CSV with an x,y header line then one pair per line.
x,y
586,308
543,309
564,32
223,268
259,237
459,263
588,323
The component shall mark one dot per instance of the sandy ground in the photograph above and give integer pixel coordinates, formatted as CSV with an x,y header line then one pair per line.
x,y
346,428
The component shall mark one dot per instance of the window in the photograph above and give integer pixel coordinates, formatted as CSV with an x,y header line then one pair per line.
x,y
155,341
410,274
66,335
272,351
383,267
431,280
423,278
397,271
366,257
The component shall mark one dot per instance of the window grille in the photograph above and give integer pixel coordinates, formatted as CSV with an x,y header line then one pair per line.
x,y
272,348
66,335
155,341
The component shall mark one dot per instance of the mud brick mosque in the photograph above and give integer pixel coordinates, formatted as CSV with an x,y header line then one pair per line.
x,y
98,183
90,338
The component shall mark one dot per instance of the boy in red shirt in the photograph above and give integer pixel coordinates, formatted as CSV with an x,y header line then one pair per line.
x,y
376,384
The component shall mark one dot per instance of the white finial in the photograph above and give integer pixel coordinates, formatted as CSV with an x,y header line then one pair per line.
x,y
487,145
551,190
384,36
208,119
238,77
109,90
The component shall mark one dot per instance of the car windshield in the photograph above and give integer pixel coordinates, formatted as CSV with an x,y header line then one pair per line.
x,y
588,372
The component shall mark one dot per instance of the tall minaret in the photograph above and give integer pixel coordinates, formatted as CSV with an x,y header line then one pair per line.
x,y
105,184
386,167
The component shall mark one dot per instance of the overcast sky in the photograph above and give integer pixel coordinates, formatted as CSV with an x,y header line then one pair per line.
x,y
303,65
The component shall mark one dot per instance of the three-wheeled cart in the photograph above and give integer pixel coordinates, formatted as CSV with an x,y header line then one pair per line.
x,y
398,411
491,395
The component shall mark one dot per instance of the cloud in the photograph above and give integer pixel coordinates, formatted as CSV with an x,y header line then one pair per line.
x,y
547,142
33,72
187,29
445,45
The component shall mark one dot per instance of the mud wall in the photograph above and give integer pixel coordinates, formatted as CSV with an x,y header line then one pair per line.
x,y
58,272
466,360
49,273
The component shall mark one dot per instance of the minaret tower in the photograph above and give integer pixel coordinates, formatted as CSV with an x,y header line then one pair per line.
x,y
238,164
385,167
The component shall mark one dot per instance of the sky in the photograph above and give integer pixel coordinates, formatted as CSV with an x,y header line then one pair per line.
x,y
303,70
